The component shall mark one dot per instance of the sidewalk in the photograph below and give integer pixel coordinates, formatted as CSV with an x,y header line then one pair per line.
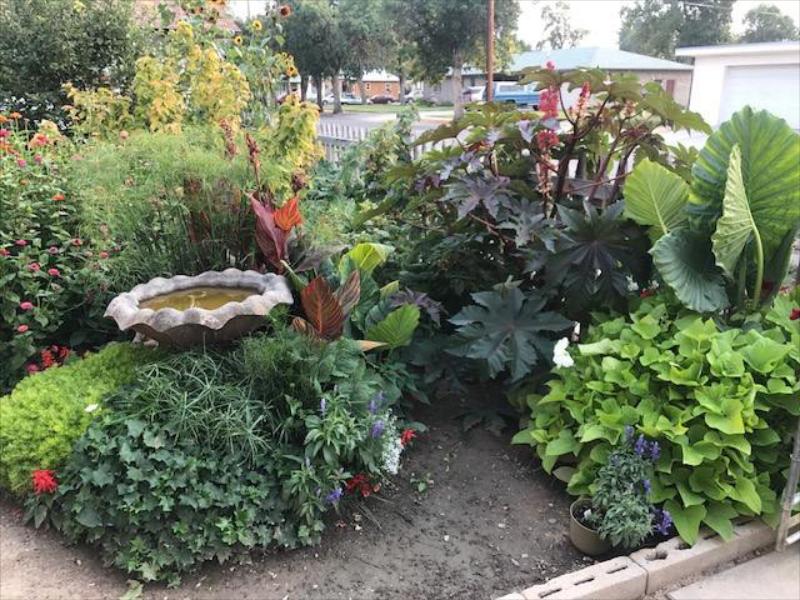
x,y
773,576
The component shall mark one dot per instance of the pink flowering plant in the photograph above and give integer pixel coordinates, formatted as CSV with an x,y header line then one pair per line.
x,y
47,271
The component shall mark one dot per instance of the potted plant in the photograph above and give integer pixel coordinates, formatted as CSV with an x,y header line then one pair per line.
x,y
620,513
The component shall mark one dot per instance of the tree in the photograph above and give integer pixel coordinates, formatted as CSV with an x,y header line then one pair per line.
x,y
766,23
558,30
657,27
366,33
45,44
449,33
315,39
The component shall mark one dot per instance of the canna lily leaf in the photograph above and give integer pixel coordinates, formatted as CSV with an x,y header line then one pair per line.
x,y
366,256
349,293
397,328
322,309
655,197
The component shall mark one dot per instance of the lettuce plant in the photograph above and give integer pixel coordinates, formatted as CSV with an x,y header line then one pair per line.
x,y
720,402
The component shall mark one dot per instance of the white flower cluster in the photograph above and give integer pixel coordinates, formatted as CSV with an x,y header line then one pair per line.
x,y
392,447
561,357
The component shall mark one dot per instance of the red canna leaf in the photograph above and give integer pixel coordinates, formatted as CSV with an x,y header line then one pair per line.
x,y
288,215
271,239
322,308
349,293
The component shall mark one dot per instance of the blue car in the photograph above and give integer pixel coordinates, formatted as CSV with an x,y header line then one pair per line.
x,y
519,94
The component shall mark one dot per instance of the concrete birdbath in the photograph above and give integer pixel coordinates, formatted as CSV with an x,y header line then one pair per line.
x,y
209,308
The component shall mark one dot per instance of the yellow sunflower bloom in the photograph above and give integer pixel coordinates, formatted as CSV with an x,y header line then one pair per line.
x,y
237,40
257,25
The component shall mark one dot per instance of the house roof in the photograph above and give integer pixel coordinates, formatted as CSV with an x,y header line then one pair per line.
x,y
381,76
608,59
729,49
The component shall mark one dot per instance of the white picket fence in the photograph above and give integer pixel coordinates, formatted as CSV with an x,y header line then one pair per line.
x,y
336,137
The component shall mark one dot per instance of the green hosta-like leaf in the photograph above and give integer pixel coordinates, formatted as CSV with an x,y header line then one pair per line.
x,y
770,153
367,256
506,329
687,520
397,328
655,197
686,264
737,225
718,517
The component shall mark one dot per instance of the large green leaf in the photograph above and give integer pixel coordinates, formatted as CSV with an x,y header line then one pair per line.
x,y
687,520
507,329
686,263
737,225
770,154
397,328
366,256
655,197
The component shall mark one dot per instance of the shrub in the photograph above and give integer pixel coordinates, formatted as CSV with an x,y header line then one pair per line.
x,y
721,402
52,278
43,417
209,455
47,43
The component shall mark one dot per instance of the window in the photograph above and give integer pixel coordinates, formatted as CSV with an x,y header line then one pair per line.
x,y
367,86
670,87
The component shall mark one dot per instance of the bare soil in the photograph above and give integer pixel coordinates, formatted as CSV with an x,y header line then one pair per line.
x,y
490,522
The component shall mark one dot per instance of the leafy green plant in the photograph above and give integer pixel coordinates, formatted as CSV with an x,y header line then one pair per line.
x,y
508,330
726,240
46,413
207,455
718,401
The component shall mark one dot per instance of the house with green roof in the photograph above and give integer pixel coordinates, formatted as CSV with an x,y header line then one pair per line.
x,y
674,77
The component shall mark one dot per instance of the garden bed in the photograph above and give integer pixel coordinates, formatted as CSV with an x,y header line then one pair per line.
x,y
490,522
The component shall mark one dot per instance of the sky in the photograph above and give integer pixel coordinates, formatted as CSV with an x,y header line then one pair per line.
x,y
599,17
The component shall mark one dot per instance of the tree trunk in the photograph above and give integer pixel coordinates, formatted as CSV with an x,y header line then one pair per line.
x,y
303,87
401,75
337,93
318,85
458,92
362,88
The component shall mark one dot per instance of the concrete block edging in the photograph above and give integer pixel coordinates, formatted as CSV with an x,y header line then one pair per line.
x,y
649,569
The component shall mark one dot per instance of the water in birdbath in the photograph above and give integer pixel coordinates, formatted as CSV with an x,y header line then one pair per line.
x,y
198,297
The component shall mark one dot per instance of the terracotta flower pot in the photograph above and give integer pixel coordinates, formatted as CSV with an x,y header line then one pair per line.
x,y
582,537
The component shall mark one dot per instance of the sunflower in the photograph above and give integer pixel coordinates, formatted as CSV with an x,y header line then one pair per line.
x,y
219,3
291,71
237,40
257,25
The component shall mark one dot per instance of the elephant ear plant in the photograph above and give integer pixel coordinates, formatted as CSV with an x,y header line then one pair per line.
x,y
725,238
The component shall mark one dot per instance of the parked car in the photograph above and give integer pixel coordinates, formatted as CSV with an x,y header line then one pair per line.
x,y
512,92
414,95
346,98
382,99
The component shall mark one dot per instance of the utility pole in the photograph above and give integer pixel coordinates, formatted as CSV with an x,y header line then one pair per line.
x,y
490,51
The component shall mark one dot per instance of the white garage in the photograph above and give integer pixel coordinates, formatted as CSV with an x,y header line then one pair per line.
x,y
764,76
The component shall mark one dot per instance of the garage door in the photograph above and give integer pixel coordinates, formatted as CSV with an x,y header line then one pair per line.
x,y
775,88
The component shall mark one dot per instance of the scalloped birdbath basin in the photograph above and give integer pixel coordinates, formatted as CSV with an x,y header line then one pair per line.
x,y
213,307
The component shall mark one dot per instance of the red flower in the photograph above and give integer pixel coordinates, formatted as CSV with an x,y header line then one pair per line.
x,y
54,272
34,266
646,293
21,243
548,103
407,436
360,483
37,158
546,139
77,242
31,368
21,163
58,197
285,10
288,215
4,252
44,481
26,305
4,133
795,314
103,254
48,360
22,328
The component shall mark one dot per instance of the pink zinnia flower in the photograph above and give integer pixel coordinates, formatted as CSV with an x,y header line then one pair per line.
x,y
550,65
103,254
53,250
31,368
22,163
4,133
37,159
54,272
22,328
26,305
21,243
34,266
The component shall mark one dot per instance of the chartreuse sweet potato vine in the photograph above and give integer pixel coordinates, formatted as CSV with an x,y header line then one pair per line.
x,y
720,402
